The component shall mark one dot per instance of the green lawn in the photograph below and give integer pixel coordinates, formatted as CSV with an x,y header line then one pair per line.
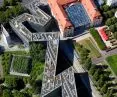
x,y
21,64
87,43
112,60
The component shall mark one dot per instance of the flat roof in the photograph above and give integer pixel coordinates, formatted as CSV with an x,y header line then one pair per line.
x,y
43,18
77,15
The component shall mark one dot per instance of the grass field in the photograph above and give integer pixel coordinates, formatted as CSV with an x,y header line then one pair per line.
x,y
112,60
87,43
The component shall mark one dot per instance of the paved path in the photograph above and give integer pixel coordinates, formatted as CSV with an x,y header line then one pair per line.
x,y
104,56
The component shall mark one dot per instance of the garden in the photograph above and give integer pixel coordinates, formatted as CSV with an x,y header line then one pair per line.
x,y
21,64
11,87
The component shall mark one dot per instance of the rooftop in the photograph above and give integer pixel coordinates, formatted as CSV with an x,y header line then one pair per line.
x,y
77,15
34,9
17,23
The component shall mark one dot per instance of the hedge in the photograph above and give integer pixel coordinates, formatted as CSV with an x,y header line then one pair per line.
x,y
98,38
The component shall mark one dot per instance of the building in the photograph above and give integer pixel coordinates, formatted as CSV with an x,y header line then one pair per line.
x,y
63,83
1,2
26,24
112,2
58,12
100,2
72,14
92,11
34,9
6,36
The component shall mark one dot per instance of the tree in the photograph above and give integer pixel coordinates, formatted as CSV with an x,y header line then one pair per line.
x,y
109,93
37,51
11,81
92,69
7,93
108,22
101,81
12,2
96,75
5,3
104,88
105,8
2,17
112,28
115,35
37,86
88,63
16,93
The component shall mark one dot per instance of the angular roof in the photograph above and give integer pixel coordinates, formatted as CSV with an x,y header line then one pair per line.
x,y
59,13
62,2
91,9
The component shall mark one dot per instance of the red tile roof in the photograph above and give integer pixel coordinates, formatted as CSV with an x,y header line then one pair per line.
x,y
103,34
59,13
62,18
91,9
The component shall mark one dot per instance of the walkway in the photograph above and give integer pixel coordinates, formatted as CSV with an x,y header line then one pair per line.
x,y
104,56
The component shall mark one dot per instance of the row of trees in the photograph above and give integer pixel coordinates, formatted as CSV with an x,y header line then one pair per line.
x,y
100,77
110,20
37,52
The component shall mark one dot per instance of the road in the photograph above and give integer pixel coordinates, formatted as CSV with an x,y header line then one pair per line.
x,y
104,56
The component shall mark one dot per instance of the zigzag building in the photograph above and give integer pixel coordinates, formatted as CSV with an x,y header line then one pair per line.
x,y
55,84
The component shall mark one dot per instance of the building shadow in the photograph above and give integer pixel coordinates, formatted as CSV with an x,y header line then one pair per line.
x,y
82,79
55,93
83,85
